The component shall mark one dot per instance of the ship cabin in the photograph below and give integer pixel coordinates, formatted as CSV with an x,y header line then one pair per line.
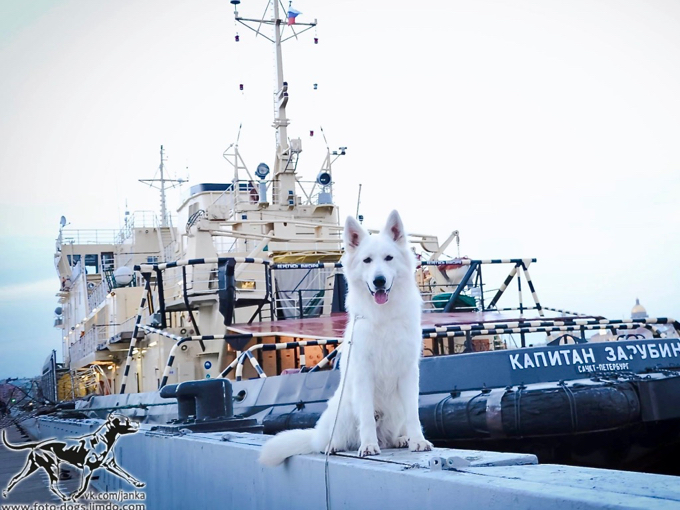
x,y
99,296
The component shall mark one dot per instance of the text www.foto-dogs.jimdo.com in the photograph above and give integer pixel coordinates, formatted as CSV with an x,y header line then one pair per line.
x,y
94,505
94,501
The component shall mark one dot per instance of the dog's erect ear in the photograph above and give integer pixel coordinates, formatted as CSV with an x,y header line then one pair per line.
x,y
114,418
395,228
354,234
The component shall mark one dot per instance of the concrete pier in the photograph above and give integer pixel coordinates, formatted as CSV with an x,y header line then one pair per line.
x,y
220,470
207,470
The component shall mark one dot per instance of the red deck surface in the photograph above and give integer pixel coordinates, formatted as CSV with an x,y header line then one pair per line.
x,y
323,328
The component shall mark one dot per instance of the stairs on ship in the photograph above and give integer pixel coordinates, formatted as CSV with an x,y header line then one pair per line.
x,y
166,240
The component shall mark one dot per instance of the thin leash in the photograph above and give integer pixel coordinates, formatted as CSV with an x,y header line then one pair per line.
x,y
337,413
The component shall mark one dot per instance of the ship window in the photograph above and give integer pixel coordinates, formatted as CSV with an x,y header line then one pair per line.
x,y
73,260
91,263
107,260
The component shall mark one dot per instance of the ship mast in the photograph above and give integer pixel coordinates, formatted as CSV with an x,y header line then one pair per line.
x,y
162,187
284,179
281,100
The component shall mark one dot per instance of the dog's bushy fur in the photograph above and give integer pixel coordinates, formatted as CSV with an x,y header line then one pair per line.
x,y
379,407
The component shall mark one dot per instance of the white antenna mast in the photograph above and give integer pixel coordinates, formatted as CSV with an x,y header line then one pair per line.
x,y
358,202
162,188
284,173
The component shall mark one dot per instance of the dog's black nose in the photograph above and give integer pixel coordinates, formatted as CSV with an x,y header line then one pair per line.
x,y
379,282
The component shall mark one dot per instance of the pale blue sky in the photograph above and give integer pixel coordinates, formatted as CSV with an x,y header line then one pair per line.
x,y
544,129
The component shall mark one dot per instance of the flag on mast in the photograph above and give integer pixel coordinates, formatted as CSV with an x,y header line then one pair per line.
x,y
292,14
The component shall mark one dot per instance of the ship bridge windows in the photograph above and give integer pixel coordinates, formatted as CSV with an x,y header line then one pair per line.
x,y
91,263
107,261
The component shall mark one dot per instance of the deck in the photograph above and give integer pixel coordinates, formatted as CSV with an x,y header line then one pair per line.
x,y
333,326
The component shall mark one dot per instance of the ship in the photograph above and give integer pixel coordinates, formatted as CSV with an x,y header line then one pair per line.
x,y
223,322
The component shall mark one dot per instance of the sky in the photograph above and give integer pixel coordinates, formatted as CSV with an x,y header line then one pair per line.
x,y
536,128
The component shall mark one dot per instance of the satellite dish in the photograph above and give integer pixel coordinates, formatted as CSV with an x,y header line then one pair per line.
x,y
123,276
262,170
62,221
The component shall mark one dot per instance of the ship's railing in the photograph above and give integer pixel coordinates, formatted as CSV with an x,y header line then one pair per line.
x,y
302,300
124,327
88,343
199,279
247,191
237,191
238,362
87,236
300,303
97,295
435,296
169,251
473,279
302,289
563,325
179,341
312,194
306,294
569,324
436,334
224,244
229,278
139,219
81,347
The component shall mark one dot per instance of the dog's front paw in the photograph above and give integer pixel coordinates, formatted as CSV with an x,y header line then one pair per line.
x,y
369,449
401,442
422,445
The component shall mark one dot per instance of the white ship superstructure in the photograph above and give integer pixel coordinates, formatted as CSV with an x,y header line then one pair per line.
x,y
276,217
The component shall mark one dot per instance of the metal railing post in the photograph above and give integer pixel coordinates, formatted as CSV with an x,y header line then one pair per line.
x,y
452,300
185,295
161,297
133,340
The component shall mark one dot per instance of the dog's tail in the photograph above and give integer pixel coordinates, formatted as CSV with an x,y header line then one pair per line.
x,y
13,446
287,444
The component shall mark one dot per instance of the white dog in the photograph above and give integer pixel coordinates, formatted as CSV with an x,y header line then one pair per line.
x,y
376,403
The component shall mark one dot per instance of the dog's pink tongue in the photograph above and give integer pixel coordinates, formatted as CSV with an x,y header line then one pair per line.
x,y
381,297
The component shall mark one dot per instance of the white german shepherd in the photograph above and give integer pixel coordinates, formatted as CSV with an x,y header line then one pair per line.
x,y
379,370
